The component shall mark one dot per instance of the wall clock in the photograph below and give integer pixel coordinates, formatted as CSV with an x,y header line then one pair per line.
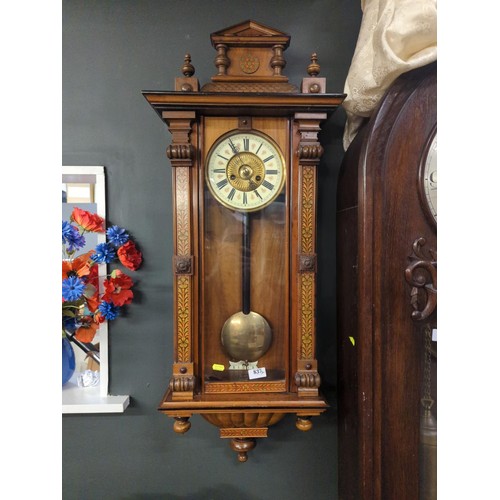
x,y
244,156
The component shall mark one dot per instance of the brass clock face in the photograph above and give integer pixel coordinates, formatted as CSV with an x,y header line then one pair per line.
x,y
245,170
429,178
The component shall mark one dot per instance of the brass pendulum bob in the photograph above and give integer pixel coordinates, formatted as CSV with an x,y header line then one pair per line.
x,y
428,432
246,335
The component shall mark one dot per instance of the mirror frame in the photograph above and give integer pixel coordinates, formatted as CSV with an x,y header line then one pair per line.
x,y
73,174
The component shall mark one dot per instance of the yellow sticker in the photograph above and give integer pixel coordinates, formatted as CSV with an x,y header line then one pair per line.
x,y
353,342
218,368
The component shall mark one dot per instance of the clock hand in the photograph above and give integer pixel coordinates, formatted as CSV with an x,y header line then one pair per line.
x,y
238,157
233,147
252,185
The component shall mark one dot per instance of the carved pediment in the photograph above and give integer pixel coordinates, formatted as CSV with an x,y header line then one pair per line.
x,y
250,33
249,59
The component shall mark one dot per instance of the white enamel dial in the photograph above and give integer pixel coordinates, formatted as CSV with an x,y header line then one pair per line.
x,y
245,171
430,178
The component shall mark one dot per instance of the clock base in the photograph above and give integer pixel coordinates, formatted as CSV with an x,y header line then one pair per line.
x,y
243,420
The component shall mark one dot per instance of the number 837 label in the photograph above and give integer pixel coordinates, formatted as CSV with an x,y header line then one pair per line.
x,y
256,373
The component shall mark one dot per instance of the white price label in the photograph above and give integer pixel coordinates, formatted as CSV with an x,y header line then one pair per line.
x,y
435,335
256,373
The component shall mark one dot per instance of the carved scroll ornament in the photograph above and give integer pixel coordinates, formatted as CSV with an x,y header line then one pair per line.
x,y
421,275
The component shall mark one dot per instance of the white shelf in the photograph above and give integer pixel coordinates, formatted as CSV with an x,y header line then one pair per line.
x,y
88,400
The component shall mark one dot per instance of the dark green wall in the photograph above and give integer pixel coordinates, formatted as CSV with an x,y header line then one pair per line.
x,y
111,51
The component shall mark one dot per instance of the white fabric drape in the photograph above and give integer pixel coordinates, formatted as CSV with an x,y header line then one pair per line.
x,y
395,36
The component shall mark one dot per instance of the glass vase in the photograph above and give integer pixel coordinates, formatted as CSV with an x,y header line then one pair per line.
x,y
68,360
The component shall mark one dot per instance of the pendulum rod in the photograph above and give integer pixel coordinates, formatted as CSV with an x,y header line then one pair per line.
x,y
245,265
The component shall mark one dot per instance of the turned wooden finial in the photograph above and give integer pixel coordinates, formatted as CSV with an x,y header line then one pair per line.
x,y
187,83
242,446
187,68
314,68
313,84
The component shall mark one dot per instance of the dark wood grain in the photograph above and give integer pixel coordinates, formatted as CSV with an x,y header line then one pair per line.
x,y
380,214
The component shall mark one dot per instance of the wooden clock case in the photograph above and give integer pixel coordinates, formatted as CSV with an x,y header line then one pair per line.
x,y
386,292
249,92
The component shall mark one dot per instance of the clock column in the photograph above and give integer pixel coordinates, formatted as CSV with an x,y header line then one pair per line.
x,y
308,152
181,154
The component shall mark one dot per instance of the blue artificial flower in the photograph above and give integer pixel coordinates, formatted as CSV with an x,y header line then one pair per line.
x,y
71,237
117,235
67,231
109,310
104,252
72,288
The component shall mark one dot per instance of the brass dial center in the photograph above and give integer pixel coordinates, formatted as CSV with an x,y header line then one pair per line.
x,y
245,171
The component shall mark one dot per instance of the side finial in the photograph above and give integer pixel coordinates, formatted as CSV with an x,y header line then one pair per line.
x,y
187,68
187,83
314,68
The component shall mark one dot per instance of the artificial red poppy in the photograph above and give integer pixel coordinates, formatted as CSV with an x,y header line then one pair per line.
x,y
86,333
93,302
98,317
93,277
117,289
88,221
129,256
81,266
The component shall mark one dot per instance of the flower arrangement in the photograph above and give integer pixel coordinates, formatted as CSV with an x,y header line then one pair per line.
x,y
83,307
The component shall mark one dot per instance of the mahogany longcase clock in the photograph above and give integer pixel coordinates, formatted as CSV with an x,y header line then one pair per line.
x,y
244,154
387,298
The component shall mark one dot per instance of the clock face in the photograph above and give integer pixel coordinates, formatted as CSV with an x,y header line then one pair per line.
x,y
429,178
245,170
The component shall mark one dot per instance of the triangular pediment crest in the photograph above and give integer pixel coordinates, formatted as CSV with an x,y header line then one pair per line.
x,y
250,33
249,28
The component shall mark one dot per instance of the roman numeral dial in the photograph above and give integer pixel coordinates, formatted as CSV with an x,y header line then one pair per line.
x,y
245,171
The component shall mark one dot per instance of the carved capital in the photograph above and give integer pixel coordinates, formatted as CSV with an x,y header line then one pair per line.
x,y
308,379
421,275
181,152
310,151
182,387
179,383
